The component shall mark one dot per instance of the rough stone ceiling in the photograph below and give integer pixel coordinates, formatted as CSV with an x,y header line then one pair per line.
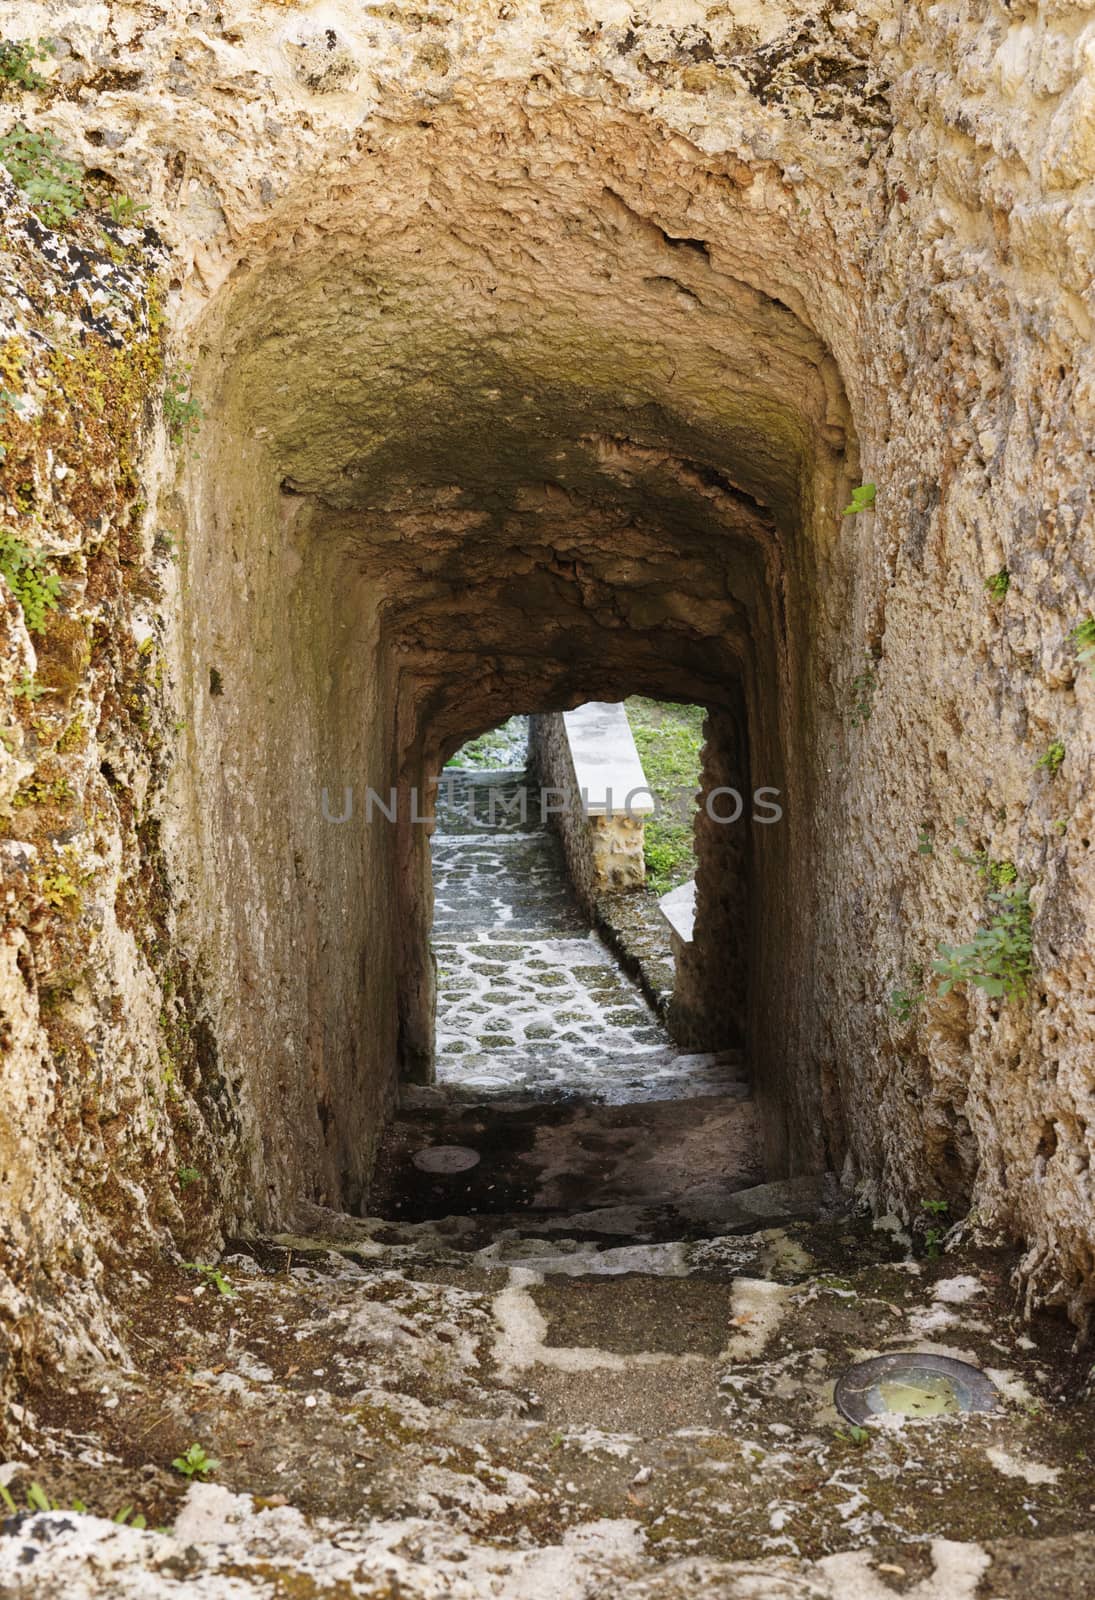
x,y
462,279
549,423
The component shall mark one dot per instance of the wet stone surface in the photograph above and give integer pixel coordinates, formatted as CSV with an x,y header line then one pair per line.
x,y
501,886
473,803
647,1168
529,999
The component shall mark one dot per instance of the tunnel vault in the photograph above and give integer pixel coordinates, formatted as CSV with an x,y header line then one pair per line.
x,y
492,433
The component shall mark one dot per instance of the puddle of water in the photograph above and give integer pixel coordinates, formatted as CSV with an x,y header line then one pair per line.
x,y
933,1397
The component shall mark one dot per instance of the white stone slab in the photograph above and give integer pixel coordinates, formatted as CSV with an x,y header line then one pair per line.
x,y
678,907
606,763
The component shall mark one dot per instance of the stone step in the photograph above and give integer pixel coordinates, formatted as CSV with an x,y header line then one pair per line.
x,y
681,1158
597,1241
553,1072
658,1058
470,800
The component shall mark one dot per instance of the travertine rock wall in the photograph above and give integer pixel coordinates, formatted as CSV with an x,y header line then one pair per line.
x,y
539,347
109,1082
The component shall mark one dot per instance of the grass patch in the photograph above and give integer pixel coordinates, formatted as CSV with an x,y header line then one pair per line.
x,y
669,738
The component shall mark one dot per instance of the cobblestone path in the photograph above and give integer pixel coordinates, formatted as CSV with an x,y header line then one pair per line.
x,y
528,997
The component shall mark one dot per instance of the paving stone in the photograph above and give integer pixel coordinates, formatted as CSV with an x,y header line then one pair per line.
x,y
531,1000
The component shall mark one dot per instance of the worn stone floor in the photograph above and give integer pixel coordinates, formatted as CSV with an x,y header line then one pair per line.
x,y
533,1404
596,1359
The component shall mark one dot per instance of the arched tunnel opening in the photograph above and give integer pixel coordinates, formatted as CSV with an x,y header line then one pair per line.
x,y
587,455
544,357
589,1046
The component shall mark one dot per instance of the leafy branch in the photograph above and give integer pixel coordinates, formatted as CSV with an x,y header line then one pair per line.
x,y
998,958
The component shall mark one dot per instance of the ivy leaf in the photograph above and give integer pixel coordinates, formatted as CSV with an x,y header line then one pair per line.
x,y
863,498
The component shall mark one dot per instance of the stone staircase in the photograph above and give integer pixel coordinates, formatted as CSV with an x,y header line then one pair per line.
x,y
595,1357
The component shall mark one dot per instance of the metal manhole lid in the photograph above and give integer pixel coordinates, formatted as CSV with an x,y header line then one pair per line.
x,y
445,1158
908,1383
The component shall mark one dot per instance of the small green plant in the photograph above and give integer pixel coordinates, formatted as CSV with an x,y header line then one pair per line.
x,y
1060,824
28,688
863,498
60,891
195,1463
17,58
123,208
36,792
925,840
212,1275
998,957
125,1517
997,874
903,1003
998,585
51,183
182,412
854,1434
934,1236
38,1500
1053,758
33,585
1083,642
187,1176
73,736
863,692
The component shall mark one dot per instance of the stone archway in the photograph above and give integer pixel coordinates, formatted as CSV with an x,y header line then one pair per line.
x,y
495,434
561,305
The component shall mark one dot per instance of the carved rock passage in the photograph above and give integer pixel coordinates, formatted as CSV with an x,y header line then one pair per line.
x,y
539,353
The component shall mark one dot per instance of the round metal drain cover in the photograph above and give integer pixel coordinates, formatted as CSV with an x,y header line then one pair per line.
x,y
912,1385
445,1158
